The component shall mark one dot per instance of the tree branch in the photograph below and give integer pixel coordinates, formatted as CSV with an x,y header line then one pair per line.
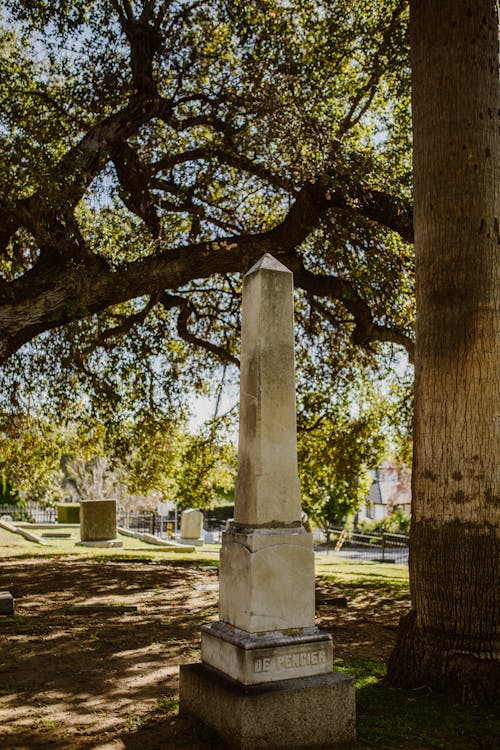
x,y
124,327
52,295
186,310
366,330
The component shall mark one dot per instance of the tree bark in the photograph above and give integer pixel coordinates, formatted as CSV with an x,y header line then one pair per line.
x,y
450,638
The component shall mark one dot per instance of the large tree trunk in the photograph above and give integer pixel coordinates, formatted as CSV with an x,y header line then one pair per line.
x,y
450,640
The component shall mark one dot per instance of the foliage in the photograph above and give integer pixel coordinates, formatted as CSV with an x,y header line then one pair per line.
x,y
335,449
398,522
30,452
155,149
86,458
9,495
207,467
138,462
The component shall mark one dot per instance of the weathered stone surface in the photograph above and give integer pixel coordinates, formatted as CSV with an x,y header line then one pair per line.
x,y
98,520
6,603
172,546
266,680
104,543
191,524
18,529
267,580
251,660
267,489
312,713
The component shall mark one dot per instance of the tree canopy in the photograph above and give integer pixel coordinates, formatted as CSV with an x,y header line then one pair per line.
x,y
154,149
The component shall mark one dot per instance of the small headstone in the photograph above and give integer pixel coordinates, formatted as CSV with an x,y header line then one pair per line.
x,y
192,525
6,603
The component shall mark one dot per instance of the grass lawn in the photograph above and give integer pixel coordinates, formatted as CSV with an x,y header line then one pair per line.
x,y
109,679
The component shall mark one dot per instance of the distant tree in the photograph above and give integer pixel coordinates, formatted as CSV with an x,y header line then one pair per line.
x,y
207,467
46,460
9,495
335,450
30,454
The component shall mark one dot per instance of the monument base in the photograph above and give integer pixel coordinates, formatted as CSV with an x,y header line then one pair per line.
x,y
101,543
270,657
310,713
195,542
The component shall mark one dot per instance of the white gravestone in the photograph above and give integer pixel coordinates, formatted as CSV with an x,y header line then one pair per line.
x,y
191,525
266,637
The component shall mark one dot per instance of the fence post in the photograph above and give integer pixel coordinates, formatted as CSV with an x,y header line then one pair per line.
x,y
383,543
153,523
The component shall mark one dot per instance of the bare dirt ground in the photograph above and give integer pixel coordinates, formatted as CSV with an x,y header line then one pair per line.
x,y
108,679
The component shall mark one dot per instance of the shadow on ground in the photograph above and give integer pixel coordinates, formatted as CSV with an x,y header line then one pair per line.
x,y
108,679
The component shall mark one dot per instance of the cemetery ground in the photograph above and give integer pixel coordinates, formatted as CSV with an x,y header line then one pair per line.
x,y
90,658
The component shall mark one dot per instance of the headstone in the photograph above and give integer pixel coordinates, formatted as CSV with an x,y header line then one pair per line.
x,y
98,524
192,526
6,603
265,659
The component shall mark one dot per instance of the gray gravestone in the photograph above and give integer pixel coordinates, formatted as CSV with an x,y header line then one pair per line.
x,y
98,524
6,603
265,665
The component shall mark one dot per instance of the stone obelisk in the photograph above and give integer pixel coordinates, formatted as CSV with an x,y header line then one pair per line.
x,y
266,669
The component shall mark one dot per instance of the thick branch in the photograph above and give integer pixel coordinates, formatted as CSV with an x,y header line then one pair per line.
x,y
232,159
366,330
52,295
186,310
123,328
134,178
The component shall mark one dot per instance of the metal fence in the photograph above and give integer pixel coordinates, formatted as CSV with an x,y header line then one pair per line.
x,y
151,522
374,546
30,512
145,522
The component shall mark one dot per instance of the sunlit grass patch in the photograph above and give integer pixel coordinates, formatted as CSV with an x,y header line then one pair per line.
x,y
391,719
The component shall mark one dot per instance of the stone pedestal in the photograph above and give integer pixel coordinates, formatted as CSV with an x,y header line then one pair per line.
x,y
256,659
311,713
266,579
98,524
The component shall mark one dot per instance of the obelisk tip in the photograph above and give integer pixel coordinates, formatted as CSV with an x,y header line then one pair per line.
x,y
268,263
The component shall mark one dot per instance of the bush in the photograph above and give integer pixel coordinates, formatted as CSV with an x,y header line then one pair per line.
x,y
68,512
398,522
8,494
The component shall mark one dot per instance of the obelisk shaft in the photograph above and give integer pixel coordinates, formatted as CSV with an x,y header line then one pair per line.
x,y
267,489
